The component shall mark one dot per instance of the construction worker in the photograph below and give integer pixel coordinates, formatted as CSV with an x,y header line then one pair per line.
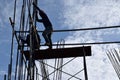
x,y
47,24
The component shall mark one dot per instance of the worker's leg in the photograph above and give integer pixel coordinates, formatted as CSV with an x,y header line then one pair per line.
x,y
49,37
50,41
45,36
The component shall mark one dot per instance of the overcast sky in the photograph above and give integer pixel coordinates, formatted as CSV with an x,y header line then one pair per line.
x,y
71,14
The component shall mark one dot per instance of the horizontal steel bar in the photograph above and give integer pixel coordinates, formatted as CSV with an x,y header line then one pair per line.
x,y
83,29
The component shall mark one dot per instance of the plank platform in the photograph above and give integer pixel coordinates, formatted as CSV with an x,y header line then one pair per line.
x,y
60,53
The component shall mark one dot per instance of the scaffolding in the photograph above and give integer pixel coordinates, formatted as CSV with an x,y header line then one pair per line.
x,y
32,66
45,64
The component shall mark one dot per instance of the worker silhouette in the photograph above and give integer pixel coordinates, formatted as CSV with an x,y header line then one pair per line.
x,y
47,24
35,39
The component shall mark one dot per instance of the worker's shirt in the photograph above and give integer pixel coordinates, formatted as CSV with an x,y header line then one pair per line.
x,y
45,20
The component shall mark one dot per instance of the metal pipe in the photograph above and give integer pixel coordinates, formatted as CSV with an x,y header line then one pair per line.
x,y
16,68
5,77
92,43
83,29
84,63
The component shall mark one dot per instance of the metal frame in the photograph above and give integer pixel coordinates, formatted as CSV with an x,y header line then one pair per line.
x,y
28,69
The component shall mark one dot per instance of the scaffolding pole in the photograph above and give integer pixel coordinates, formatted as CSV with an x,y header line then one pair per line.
x,y
84,63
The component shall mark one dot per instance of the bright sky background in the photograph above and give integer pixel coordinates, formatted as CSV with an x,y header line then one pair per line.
x,y
71,14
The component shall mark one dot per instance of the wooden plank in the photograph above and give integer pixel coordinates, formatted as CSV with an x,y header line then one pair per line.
x,y
60,53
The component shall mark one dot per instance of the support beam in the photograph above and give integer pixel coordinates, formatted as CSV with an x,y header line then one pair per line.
x,y
83,29
60,53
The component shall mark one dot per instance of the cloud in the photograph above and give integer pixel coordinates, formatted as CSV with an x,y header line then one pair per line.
x,y
81,14
5,13
2,73
91,15
8,11
84,14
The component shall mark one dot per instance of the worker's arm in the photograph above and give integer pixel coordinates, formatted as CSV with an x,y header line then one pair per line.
x,y
39,20
40,11
36,6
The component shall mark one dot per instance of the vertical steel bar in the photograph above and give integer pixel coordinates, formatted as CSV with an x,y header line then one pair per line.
x,y
31,75
9,73
16,64
113,63
84,63
20,72
5,77
117,62
31,53
12,40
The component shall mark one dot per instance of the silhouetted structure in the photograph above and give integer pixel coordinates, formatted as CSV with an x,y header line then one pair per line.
x,y
27,57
